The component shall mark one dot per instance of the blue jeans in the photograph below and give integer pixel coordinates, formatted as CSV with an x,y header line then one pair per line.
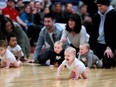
x,y
44,56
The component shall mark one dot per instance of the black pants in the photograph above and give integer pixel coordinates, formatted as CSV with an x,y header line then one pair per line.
x,y
77,50
99,50
33,34
44,56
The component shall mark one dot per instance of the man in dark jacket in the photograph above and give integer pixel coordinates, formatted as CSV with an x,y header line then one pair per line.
x,y
102,38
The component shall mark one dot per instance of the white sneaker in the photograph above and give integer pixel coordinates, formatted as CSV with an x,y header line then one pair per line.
x,y
48,62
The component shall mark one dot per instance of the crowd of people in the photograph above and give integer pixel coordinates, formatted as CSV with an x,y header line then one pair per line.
x,y
61,35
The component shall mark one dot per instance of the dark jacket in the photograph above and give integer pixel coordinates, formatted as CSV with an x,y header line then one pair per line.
x,y
109,30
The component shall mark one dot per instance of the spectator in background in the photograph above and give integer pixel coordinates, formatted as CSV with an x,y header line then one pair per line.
x,y
37,15
36,9
38,6
32,5
27,17
85,18
64,2
68,10
45,11
91,7
102,39
19,6
32,30
11,12
58,13
47,3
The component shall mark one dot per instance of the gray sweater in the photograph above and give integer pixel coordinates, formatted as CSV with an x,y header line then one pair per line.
x,y
90,58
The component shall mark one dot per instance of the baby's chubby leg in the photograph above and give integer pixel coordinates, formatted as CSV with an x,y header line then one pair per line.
x,y
84,74
17,64
72,75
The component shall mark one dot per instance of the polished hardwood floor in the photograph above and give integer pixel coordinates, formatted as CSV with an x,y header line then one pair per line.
x,y
34,75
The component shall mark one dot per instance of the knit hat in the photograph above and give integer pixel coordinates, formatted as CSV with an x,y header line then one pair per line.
x,y
103,2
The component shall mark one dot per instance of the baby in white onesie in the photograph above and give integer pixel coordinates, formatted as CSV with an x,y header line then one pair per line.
x,y
75,66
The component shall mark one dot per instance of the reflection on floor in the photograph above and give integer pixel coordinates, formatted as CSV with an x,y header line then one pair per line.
x,y
34,75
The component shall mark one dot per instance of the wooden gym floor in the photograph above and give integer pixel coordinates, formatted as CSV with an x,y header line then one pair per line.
x,y
34,75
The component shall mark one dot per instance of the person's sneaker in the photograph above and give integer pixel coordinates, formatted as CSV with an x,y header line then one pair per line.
x,y
48,62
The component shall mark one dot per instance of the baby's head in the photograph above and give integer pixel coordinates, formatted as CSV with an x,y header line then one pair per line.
x,y
58,46
12,40
3,46
70,54
84,48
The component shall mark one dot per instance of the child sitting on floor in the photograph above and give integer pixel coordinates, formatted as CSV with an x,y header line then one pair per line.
x,y
7,58
14,47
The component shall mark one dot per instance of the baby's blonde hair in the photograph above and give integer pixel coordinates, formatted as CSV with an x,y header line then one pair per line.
x,y
71,50
59,42
3,43
86,45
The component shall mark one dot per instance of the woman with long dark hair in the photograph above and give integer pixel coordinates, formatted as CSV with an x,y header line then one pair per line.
x,y
75,32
